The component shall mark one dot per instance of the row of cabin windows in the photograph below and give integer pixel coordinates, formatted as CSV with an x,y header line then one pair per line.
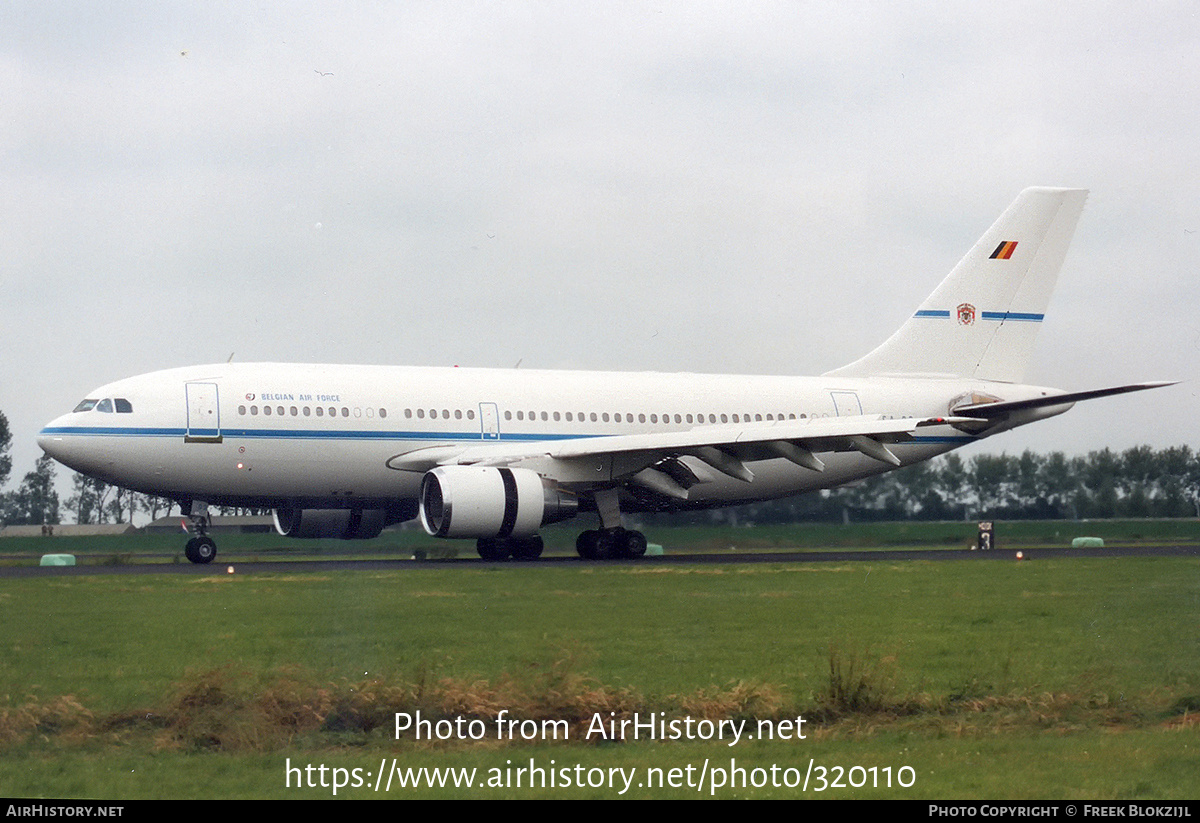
x,y
308,411
469,414
123,406
629,417
432,414
107,406
345,411
605,417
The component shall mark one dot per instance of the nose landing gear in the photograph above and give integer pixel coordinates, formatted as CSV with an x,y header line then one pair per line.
x,y
202,548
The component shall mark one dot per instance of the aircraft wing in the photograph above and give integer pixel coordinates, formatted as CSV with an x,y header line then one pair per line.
x,y
653,459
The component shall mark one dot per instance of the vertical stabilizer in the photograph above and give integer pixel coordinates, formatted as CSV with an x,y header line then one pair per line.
x,y
984,317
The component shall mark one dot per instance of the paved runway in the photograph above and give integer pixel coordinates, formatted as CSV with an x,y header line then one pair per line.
x,y
467,564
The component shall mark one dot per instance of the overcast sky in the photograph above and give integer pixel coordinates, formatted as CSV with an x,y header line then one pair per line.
x,y
748,188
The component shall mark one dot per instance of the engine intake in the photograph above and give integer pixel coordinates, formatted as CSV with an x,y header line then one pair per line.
x,y
481,501
344,524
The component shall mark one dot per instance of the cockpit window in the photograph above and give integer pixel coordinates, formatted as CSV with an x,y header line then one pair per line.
x,y
85,405
123,406
105,406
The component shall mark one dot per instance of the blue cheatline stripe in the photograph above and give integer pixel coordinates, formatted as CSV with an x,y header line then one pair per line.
x,y
114,431
1030,317
315,434
1013,315
300,434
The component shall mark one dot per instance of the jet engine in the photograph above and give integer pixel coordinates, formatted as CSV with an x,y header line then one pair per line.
x,y
483,502
345,524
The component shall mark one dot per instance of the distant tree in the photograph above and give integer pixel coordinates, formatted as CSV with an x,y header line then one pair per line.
x,y
1029,495
916,494
115,510
990,478
86,502
123,505
100,505
1101,474
5,467
35,502
155,506
1139,469
953,482
5,446
1059,482
1181,473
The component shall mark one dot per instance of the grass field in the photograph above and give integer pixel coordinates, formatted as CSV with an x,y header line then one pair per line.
x,y
1063,678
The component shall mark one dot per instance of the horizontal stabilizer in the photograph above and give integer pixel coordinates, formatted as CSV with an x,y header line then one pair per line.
x,y
1002,408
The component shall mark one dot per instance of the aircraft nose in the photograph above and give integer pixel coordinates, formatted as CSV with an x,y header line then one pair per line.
x,y
50,440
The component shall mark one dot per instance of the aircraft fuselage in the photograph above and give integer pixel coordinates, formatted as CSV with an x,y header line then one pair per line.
x,y
270,434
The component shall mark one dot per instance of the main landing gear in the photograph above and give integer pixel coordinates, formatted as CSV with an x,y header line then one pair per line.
x,y
611,540
603,544
200,549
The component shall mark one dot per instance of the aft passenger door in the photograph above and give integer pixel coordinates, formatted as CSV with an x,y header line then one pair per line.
x,y
845,403
203,413
489,421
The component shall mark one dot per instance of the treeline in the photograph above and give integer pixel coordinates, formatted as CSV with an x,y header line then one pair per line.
x,y
35,500
1135,483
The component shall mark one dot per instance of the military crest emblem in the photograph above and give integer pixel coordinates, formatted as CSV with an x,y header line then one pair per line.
x,y
966,314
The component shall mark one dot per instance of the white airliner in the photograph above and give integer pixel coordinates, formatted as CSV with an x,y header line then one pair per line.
x,y
494,455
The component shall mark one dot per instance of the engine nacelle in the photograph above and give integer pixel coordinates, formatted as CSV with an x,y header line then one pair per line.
x,y
482,501
345,524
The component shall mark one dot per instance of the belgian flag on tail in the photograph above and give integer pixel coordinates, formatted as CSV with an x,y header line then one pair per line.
x,y
1004,250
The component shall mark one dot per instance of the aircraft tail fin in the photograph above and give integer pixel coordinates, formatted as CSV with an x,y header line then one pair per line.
x,y
982,320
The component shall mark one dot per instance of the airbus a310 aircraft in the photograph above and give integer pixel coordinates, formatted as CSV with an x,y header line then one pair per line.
x,y
494,455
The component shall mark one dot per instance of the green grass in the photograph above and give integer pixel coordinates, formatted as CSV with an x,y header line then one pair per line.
x,y
1055,678
816,536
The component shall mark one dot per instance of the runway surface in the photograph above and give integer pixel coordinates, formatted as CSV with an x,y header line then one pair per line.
x,y
244,567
